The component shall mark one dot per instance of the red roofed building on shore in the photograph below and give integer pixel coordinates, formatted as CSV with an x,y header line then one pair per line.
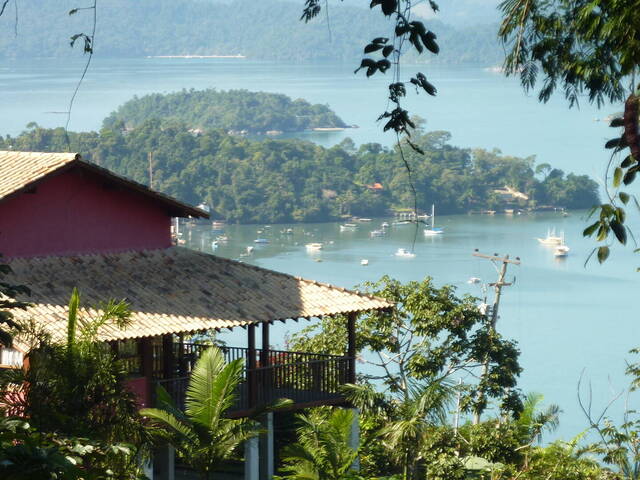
x,y
65,222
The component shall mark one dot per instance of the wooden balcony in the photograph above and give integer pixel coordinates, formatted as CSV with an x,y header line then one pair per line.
x,y
308,379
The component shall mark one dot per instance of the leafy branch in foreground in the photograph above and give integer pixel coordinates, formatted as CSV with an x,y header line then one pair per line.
x,y
384,53
582,47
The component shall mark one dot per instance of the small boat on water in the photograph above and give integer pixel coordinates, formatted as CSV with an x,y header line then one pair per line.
x,y
261,241
222,239
403,252
364,262
561,251
249,249
314,247
429,232
364,220
348,227
402,223
551,238
377,233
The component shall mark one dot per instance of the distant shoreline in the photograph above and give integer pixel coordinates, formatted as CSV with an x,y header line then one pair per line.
x,y
196,56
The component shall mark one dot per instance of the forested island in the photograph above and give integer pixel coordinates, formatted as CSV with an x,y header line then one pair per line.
x,y
237,111
258,30
275,181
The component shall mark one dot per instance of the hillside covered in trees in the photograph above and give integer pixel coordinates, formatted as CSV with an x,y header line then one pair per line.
x,y
236,110
259,30
297,181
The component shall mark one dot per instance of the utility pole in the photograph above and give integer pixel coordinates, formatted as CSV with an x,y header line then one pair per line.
x,y
150,159
505,261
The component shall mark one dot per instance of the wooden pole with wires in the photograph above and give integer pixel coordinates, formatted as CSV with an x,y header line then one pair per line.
x,y
505,261
150,160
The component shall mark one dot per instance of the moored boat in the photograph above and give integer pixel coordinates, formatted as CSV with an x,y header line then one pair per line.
x,y
551,238
403,252
429,232
313,247
348,227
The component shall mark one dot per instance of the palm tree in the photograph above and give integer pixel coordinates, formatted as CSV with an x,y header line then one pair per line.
x,y
408,417
532,421
322,451
202,436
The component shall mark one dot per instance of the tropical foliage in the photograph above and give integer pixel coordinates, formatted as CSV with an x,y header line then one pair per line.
x,y
202,435
586,48
323,450
80,414
235,110
296,181
431,338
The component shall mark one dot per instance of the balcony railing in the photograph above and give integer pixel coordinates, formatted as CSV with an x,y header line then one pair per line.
x,y
304,378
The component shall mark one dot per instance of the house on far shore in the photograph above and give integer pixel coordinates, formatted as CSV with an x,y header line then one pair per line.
x,y
65,222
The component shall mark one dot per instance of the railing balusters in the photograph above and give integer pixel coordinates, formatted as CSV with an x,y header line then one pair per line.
x,y
300,376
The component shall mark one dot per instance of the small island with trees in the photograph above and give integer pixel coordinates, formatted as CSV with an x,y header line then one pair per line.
x,y
235,111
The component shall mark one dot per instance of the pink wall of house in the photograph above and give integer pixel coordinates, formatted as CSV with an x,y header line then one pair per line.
x,y
78,212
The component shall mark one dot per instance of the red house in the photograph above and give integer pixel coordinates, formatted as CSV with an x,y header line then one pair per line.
x,y
65,222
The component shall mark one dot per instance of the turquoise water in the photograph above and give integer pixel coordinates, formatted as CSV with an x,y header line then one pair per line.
x,y
565,317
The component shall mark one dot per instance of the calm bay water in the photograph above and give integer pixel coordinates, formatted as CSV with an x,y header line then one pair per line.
x,y
565,317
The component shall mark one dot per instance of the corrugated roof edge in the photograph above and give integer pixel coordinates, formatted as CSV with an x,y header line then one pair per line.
x,y
77,160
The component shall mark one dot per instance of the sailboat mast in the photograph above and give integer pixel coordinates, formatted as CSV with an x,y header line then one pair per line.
x,y
433,216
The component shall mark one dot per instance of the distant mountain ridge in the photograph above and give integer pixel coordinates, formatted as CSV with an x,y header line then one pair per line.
x,y
261,30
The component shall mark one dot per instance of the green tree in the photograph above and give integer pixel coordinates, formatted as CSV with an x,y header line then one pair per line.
x,y
74,393
202,435
587,47
322,450
431,336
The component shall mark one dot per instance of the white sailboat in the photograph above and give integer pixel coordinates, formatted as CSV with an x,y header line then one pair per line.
x,y
433,230
561,250
551,238
348,227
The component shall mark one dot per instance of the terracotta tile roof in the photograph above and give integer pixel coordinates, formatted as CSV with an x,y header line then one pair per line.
x,y
21,170
176,290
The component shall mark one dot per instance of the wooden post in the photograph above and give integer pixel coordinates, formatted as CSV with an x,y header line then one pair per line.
x,y
168,358
351,346
265,357
145,350
182,367
251,365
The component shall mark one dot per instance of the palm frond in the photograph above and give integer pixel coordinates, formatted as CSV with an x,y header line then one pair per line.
x,y
183,431
72,319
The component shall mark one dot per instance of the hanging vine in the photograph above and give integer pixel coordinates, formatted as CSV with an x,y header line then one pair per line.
x,y
385,53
